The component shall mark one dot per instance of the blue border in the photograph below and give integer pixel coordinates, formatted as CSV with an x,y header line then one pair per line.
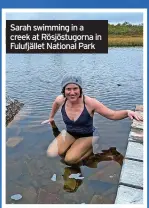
x,y
64,4
75,4
1,114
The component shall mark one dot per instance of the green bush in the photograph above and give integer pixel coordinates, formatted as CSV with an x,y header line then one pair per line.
x,y
125,29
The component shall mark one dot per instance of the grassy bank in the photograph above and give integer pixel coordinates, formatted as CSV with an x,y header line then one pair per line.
x,y
126,34
124,41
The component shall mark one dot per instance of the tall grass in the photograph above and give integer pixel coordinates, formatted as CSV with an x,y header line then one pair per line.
x,y
125,41
125,34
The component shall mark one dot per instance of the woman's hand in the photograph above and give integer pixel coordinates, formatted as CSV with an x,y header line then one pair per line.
x,y
49,121
134,115
45,122
52,122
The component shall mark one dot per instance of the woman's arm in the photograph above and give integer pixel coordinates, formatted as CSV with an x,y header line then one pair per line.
x,y
112,114
55,106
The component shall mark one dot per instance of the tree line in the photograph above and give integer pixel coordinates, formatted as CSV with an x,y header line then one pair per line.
x,y
125,29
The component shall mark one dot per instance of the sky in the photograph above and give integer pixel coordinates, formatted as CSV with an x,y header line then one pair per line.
x,y
113,18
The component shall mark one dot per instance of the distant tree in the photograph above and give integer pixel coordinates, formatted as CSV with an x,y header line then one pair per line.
x,y
125,29
126,23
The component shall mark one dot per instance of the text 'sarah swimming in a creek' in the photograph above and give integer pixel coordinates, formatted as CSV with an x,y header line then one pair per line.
x,y
44,27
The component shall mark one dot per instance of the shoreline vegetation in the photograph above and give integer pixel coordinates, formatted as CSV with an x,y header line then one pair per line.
x,y
125,35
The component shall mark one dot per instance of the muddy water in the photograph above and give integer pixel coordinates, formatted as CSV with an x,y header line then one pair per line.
x,y
35,80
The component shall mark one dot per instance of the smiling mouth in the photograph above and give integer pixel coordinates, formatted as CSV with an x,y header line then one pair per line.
x,y
72,97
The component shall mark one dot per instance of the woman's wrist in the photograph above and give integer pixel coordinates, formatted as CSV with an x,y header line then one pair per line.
x,y
51,118
128,113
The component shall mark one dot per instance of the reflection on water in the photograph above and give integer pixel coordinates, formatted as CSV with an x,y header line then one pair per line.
x,y
31,177
29,174
35,81
72,184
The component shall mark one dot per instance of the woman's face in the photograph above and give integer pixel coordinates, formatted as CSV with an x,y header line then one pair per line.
x,y
72,92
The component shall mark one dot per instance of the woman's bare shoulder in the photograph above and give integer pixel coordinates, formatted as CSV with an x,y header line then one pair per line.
x,y
60,99
91,101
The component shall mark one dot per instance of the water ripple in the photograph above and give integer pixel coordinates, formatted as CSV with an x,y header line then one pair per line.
x,y
115,79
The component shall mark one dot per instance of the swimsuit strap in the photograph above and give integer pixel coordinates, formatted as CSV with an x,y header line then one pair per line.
x,y
65,101
84,99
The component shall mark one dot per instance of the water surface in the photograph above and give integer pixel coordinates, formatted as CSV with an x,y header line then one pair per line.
x,y
35,79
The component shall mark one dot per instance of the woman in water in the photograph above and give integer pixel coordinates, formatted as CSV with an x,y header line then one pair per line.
x,y
80,138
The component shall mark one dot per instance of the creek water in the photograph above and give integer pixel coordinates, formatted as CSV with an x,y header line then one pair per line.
x,y
115,79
